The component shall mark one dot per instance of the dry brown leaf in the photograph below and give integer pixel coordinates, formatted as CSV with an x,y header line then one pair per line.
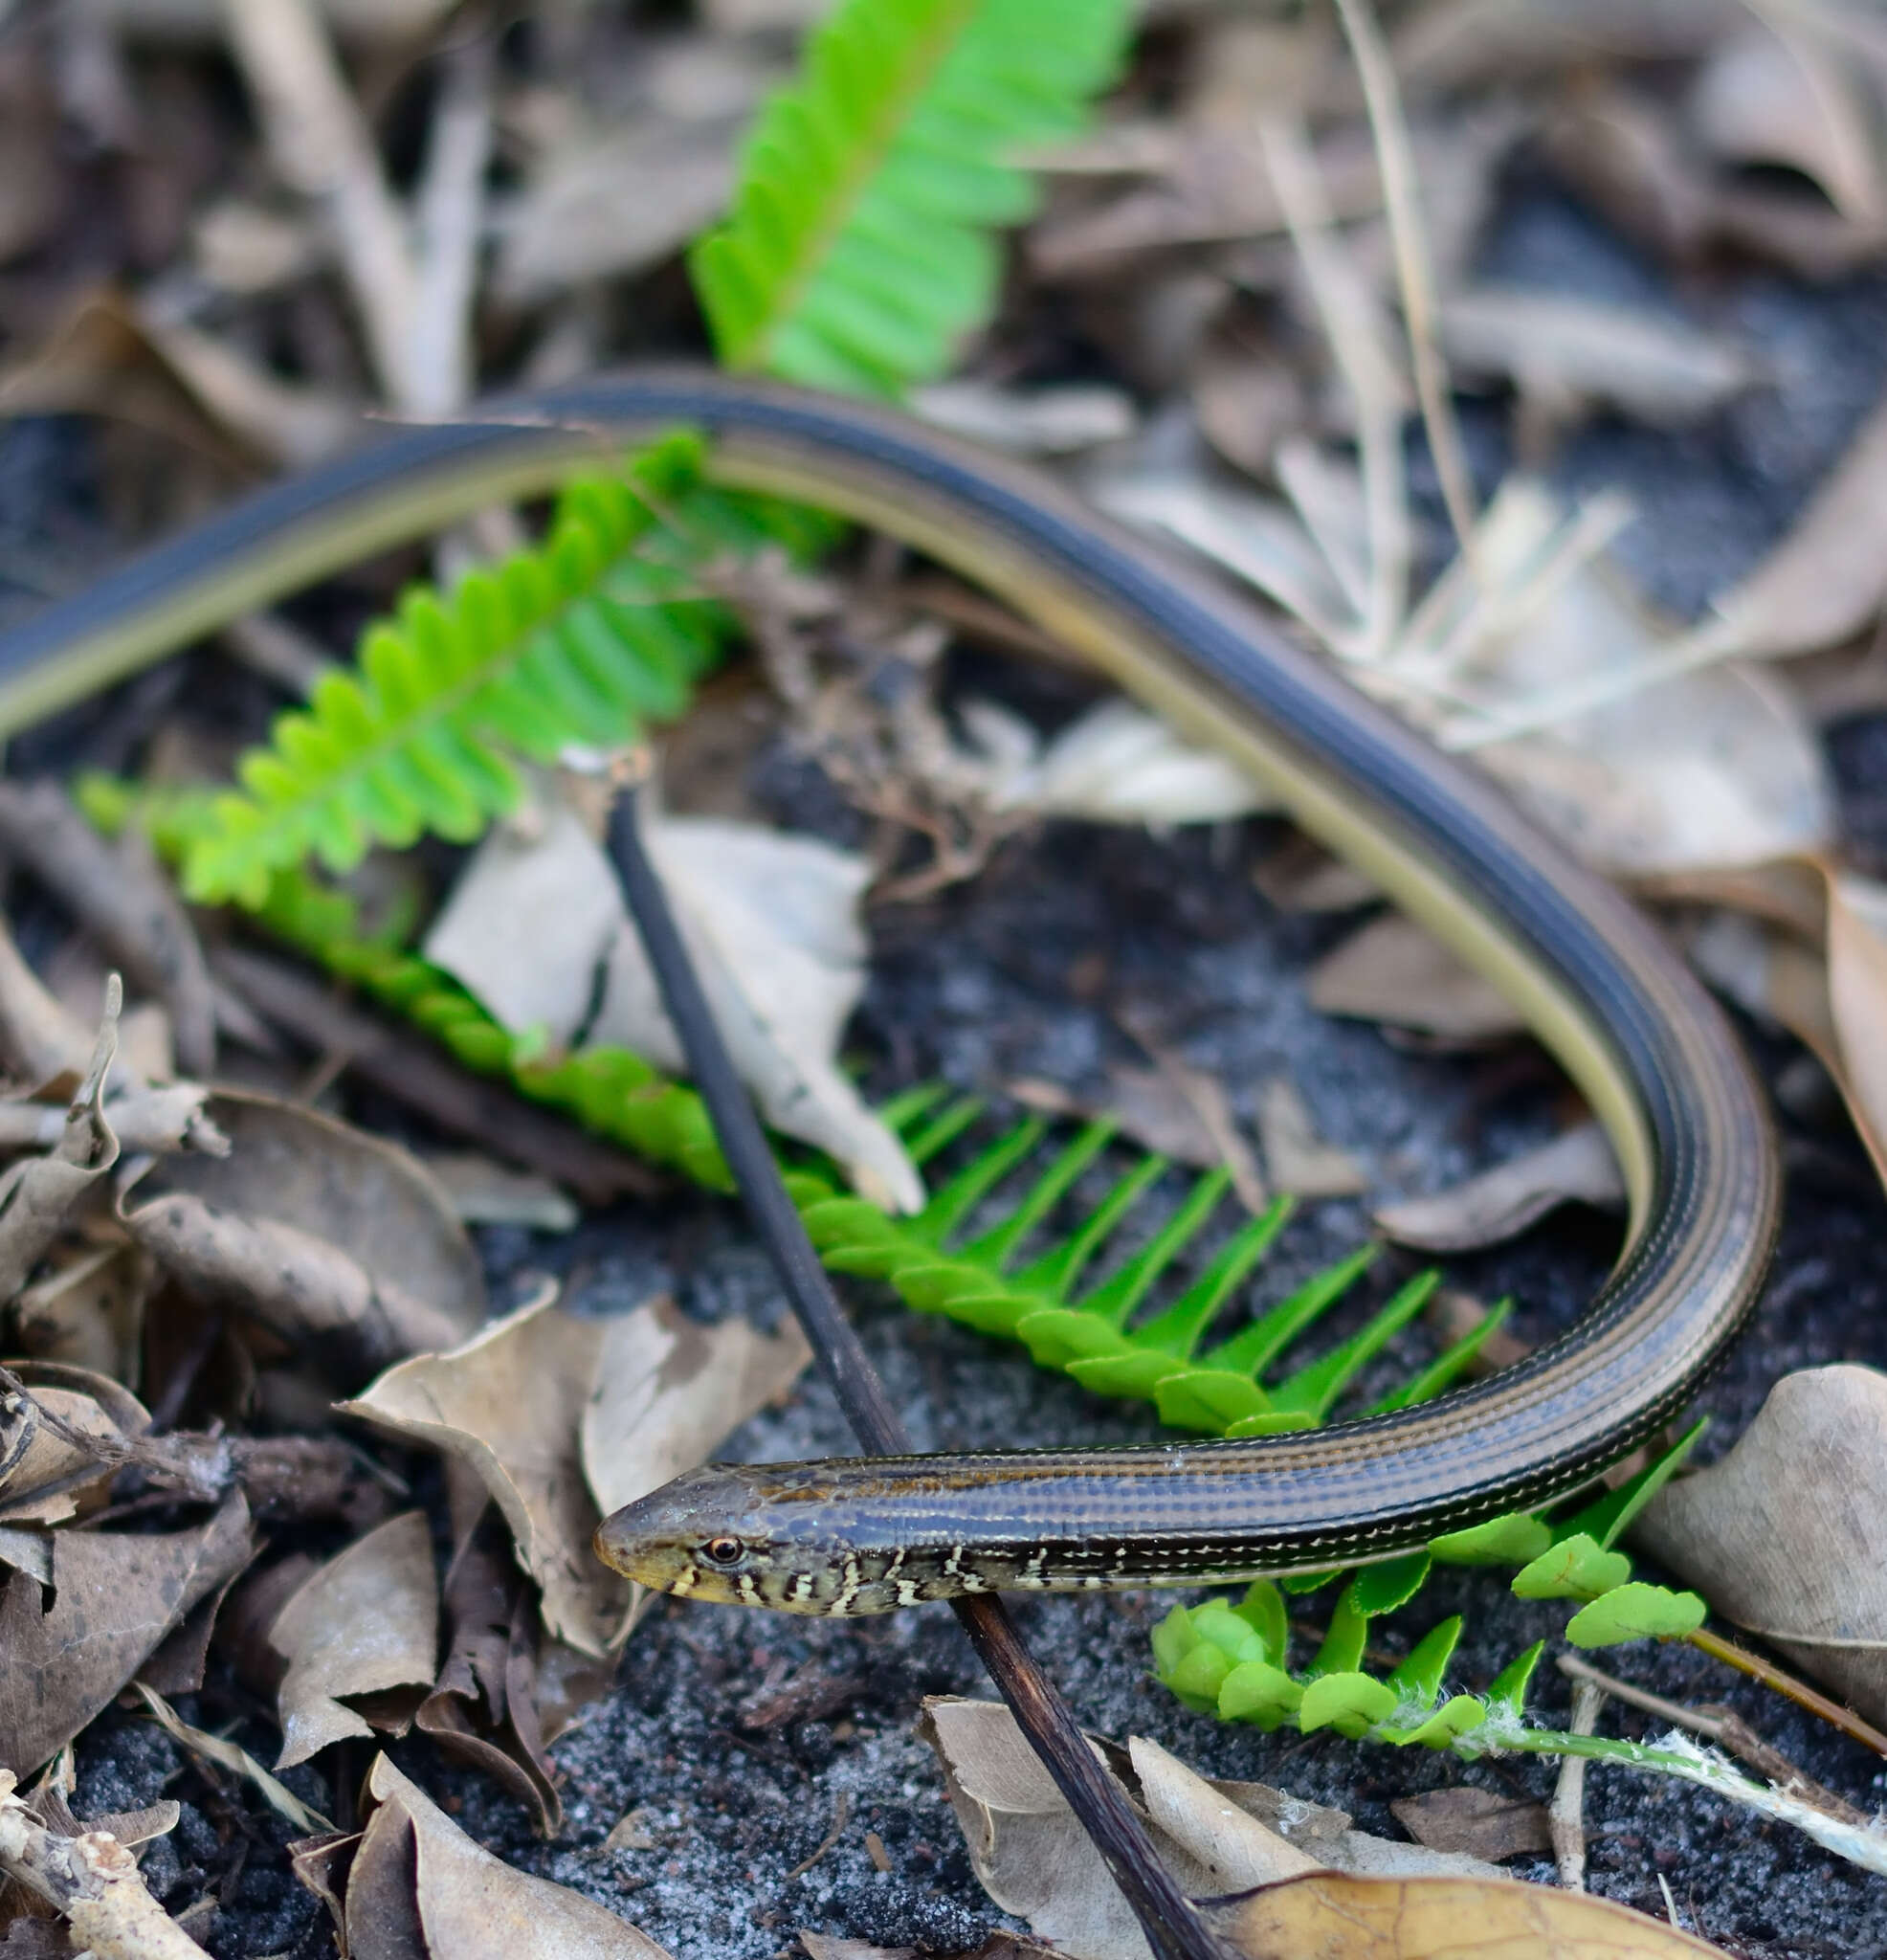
x,y
114,1598
1483,1823
485,1708
1035,1860
1788,1534
1332,1916
420,1887
1835,1002
366,1621
1300,876
1500,1203
1394,970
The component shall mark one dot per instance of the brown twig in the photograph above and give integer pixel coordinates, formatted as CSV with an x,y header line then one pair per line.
x,y
1174,1929
1787,1686
411,1068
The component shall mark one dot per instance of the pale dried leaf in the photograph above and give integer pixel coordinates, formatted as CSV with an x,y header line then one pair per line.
x,y
1788,1534
1150,1107
467,1902
114,1598
84,1401
1118,764
668,1389
610,202
486,1192
507,1404
1764,96
1394,970
1035,421
1441,1919
1297,1157
1500,1203
536,926
232,1757
366,1621
1035,1860
1568,351
1857,998
1824,582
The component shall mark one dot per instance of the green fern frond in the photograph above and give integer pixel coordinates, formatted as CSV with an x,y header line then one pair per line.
x,y
582,638
859,248
1233,1661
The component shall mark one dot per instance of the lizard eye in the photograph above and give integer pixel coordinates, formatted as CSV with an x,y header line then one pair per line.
x,y
722,1551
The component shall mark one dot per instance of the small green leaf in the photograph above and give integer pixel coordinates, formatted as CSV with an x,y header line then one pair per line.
x,y
1508,1688
1262,1608
1418,1678
1380,1589
1635,1612
1454,1718
1232,1633
1057,1335
1174,1639
1198,1676
1349,1701
1343,1642
1299,1583
1207,1398
1573,1568
1256,1691
1513,1540
1131,1376
1606,1517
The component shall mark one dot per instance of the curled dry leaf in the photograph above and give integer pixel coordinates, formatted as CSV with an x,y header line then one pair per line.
x,y
1392,969
1035,1860
113,1599
1788,1534
52,1396
537,929
1441,1919
365,1623
484,1709
38,1192
231,1756
40,1037
507,1405
327,1235
419,1887
1501,1203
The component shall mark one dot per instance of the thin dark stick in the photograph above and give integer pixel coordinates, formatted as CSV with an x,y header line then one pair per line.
x,y
1173,1930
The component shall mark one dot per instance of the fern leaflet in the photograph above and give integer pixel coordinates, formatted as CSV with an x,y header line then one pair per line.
x,y
579,640
857,250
